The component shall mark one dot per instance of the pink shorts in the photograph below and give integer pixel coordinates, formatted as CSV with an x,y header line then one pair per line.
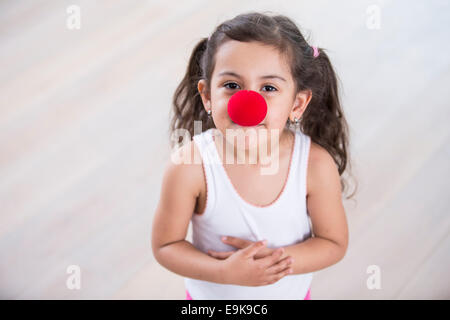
x,y
308,295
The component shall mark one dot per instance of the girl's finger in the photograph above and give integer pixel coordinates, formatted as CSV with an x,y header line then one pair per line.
x,y
252,249
280,265
272,259
279,275
263,253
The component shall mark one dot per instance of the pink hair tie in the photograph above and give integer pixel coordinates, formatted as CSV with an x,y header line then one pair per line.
x,y
316,51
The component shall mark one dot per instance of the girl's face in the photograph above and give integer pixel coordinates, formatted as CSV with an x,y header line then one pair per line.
x,y
258,67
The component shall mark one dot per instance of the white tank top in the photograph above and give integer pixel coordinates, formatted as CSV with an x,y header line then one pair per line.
x,y
283,222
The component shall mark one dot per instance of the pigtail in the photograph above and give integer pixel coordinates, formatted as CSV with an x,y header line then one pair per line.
x,y
187,102
324,120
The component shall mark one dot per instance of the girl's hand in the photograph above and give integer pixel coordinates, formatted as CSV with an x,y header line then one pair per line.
x,y
241,268
240,244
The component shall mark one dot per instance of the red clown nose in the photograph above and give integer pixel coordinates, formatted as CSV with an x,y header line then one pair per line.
x,y
247,108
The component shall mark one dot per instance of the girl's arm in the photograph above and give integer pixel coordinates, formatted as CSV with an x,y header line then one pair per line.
x,y
330,241
180,188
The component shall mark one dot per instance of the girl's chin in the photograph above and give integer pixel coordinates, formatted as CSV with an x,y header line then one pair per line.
x,y
237,126
247,141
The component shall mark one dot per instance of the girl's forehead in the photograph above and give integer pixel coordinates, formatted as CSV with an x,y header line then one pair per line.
x,y
250,58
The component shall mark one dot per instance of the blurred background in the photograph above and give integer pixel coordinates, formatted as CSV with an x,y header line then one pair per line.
x,y
84,118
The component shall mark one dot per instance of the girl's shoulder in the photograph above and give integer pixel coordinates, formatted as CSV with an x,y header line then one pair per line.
x,y
321,166
186,160
318,153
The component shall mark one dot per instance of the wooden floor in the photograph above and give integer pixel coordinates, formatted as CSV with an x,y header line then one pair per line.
x,y
84,118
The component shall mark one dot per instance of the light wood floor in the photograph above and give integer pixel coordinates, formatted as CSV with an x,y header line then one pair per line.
x,y
84,118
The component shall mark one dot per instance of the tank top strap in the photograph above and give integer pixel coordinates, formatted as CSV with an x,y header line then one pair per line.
x,y
204,143
297,171
303,146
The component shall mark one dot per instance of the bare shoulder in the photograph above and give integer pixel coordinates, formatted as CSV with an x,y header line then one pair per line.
x,y
186,163
322,169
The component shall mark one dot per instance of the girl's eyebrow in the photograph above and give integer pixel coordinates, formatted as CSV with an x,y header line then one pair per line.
x,y
269,76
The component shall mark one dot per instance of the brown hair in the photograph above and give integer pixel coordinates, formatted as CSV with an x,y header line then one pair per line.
x,y
323,120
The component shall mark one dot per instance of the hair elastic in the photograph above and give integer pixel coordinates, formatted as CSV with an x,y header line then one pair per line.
x,y
316,51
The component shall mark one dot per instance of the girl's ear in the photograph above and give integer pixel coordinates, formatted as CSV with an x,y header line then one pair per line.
x,y
206,99
301,102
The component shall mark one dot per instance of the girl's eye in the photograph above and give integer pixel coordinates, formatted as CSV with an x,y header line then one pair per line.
x,y
234,84
271,87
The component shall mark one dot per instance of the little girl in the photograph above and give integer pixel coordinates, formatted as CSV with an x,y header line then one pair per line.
x,y
280,227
